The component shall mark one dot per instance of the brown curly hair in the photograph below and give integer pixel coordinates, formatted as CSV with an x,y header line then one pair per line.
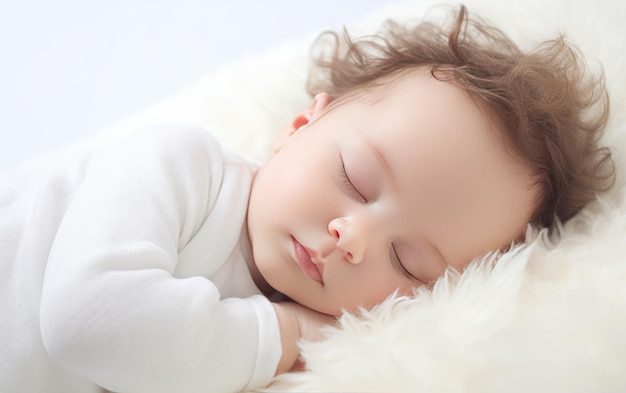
x,y
551,108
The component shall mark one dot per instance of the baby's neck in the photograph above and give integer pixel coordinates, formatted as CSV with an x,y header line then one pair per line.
x,y
263,286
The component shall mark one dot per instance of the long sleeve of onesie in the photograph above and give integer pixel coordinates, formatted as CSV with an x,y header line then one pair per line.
x,y
113,310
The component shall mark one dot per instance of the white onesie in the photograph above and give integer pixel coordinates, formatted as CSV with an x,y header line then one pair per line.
x,y
127,270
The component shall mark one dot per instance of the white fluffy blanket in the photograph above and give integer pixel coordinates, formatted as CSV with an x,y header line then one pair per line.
x,y
547,318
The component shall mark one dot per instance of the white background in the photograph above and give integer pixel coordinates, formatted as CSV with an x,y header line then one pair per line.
x,y
69,68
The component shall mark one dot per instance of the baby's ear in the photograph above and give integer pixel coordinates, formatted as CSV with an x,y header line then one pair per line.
x,y
320,101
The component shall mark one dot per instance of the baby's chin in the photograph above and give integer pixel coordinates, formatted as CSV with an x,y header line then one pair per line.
x,y
358,309
327,309
335,310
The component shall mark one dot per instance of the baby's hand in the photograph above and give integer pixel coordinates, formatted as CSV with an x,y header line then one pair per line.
x,y
297,322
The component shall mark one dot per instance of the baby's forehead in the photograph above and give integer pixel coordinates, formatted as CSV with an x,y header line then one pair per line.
x,y
437,124
375,90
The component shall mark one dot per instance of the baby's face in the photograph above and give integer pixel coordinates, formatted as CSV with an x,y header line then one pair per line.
x,y
374,196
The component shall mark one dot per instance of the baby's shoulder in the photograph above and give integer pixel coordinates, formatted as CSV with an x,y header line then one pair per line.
x,y
174,136
173,142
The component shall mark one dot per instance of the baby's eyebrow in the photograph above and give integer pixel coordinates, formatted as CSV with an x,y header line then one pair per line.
x,y
382,160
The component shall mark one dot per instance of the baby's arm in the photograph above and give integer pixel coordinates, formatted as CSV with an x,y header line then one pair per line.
x,y
297,322
112,311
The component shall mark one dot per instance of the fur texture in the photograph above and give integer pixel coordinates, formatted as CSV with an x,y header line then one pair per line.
x,y
549,317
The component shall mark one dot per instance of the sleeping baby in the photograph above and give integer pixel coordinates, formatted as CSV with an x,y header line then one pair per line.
x,y
163,263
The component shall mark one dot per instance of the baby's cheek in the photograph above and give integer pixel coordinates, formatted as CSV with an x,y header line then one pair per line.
x,y
407,290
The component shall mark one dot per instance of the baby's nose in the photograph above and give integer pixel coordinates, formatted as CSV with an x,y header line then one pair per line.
x,y
349,238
